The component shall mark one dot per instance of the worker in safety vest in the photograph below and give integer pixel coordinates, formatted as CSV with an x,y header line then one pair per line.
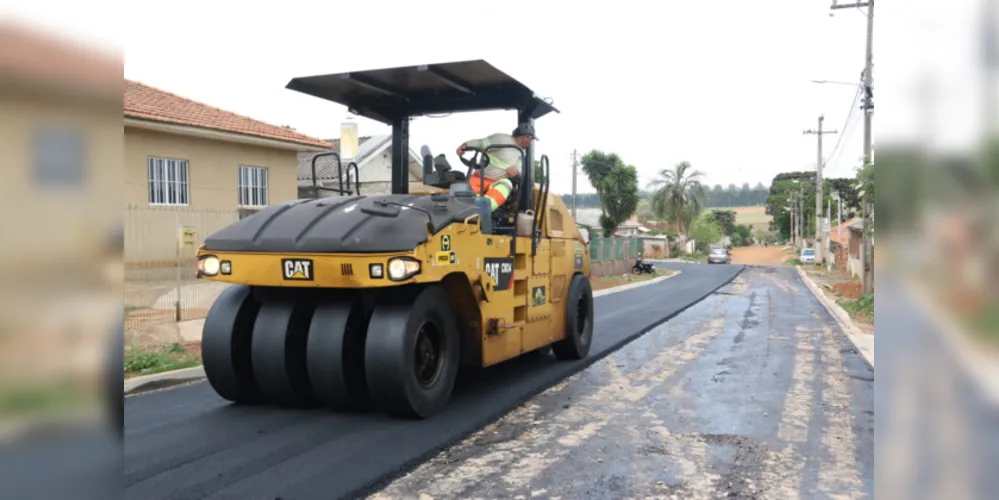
x,y
504,164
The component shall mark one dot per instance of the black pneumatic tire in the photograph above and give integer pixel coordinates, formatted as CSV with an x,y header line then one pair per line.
x,y
578,321
391,351
225,345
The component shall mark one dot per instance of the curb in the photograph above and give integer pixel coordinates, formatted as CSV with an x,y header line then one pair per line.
x,y
981,372
162,380
862,341
632,286
148,383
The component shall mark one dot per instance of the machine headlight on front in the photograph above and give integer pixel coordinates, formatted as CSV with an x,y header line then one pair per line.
x,y
208,265
403,268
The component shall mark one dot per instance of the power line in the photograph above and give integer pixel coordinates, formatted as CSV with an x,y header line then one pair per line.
x,y
846,123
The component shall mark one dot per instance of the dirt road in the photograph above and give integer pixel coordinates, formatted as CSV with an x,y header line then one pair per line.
x,y
759,255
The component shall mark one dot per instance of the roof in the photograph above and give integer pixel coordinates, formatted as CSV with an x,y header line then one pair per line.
x,y
840,234
33,55
368,147
148,103
386,94
326,167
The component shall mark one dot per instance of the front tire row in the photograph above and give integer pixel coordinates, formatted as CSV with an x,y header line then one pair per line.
x,y
400,357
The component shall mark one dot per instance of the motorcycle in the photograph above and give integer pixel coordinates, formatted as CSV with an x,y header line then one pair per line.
x,y
642,267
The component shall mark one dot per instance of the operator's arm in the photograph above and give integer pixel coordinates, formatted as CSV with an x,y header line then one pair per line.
x,y
473,143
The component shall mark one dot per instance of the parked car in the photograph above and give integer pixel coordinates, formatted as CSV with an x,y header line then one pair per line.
x,y
719,256
807,256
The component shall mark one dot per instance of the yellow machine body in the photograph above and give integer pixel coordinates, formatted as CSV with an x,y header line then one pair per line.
x,y
507,305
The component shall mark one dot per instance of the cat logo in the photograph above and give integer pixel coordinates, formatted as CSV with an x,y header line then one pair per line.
x,y
539,296
297,269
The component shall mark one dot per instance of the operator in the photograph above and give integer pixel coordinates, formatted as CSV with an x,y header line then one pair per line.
x,y
504,164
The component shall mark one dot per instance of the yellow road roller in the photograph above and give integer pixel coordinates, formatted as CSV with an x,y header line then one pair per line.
x,y
372,302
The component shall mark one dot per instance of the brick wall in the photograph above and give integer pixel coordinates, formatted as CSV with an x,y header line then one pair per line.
x,y
841,254
611,267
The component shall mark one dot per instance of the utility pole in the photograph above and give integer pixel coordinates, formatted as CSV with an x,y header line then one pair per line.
x,y
867,256
829,233
574,166
820,243
791,227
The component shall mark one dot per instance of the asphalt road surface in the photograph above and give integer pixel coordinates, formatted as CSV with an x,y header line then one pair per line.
x,y
752,393
189,443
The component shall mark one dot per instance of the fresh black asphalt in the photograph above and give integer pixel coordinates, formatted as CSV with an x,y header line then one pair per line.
x,y
189,443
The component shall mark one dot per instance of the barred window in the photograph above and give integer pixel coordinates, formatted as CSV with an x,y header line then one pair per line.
x,y
252,186
168,182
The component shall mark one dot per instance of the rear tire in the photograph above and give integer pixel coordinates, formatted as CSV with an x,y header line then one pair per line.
x,y
226,345
335,355
412,352
578,321
278,353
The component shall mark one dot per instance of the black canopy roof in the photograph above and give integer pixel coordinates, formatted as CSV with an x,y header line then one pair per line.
x,y
386,94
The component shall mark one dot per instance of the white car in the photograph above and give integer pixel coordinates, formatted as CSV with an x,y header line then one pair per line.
x,y
807,256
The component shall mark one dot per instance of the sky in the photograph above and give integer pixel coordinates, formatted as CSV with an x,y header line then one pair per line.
x,y
724,85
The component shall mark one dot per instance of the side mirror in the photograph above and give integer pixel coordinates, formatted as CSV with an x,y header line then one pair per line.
x,y
586,234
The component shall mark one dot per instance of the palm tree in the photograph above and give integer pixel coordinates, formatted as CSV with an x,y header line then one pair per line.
x,y
678,195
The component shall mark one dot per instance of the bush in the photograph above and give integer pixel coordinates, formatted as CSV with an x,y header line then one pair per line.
x,y
864,306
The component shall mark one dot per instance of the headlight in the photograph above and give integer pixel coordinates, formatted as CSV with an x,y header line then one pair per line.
x,y
208,265
376,271
403,268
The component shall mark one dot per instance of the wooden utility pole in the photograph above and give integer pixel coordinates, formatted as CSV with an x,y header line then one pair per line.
x,y
820,243
867,252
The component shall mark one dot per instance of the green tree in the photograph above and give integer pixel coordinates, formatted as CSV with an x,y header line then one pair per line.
x,y
619,196
725,219
705,232
678,195
742,235
597,165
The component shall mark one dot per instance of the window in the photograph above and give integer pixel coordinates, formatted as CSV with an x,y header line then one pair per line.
x,y
252,186
59,157
168,182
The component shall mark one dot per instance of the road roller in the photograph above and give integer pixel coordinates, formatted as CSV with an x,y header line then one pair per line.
x,y
373,302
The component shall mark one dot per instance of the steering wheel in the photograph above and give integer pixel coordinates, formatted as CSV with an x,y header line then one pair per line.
x,y
477,161
480,160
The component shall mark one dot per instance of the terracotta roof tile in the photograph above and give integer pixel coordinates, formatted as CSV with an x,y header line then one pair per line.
x,y
840,234
148,103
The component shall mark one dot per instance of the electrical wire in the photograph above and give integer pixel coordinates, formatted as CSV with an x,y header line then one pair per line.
x,y
847,129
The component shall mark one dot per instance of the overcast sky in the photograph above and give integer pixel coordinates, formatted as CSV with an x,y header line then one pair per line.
x,y
725,85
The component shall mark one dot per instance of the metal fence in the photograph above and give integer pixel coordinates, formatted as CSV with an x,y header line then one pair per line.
x,y
607,249
160,275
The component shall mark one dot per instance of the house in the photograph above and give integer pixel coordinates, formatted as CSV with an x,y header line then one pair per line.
x,y
191,164
854,260
839,244
631,228
371,154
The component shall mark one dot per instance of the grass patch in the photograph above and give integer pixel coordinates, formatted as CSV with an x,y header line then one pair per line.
x,y
861,309
692,257
605,282
171,357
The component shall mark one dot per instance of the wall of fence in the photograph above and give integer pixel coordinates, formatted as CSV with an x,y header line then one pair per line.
x,y
612,249
160,282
